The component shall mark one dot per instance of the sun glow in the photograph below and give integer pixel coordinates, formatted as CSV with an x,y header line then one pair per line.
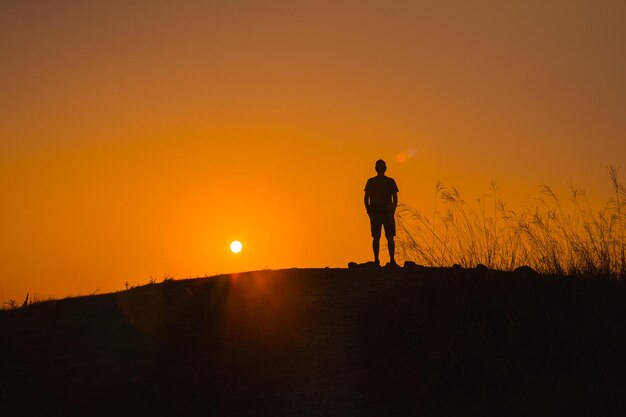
x,y
236,246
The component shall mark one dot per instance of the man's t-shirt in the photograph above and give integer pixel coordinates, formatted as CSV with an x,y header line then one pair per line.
x,y
381,188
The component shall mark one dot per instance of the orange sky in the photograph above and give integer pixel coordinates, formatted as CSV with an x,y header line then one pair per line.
x,y
137,139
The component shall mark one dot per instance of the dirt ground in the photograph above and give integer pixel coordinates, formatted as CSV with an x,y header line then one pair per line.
x,y
324,342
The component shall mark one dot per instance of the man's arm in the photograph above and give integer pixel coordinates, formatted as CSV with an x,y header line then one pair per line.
x,y
366,201
394,201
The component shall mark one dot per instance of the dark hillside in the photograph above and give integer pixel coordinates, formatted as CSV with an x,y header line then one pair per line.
x,y
327,342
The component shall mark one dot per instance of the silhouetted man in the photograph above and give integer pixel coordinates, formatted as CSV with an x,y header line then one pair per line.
x,y
381,200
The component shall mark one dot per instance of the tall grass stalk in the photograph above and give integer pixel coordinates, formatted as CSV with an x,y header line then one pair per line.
x,y
552,237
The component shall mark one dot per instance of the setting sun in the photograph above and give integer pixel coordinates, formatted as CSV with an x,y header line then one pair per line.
x,y
236,246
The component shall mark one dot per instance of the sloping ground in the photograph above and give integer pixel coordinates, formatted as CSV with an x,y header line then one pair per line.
x,y
324,342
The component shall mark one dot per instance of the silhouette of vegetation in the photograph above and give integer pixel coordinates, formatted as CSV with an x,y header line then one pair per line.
x,y
13,304
556,238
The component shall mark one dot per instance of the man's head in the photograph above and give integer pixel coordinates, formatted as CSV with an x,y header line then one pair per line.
x,y
381,167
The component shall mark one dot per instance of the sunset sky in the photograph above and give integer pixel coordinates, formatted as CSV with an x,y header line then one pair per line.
x,y
139,138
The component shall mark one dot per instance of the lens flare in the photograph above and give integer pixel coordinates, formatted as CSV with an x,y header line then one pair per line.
x,y
405,155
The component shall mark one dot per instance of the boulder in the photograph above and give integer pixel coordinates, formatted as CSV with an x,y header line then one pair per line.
x,y
410,265
481,267
525,269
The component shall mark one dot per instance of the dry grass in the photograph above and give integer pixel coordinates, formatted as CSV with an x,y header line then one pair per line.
x,y
553,237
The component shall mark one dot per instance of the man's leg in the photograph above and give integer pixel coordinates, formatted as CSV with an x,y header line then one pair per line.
x,y
390,232
376,248
376,227
391,245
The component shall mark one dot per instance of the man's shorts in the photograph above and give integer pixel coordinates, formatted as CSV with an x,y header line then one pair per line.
x,y
386,220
